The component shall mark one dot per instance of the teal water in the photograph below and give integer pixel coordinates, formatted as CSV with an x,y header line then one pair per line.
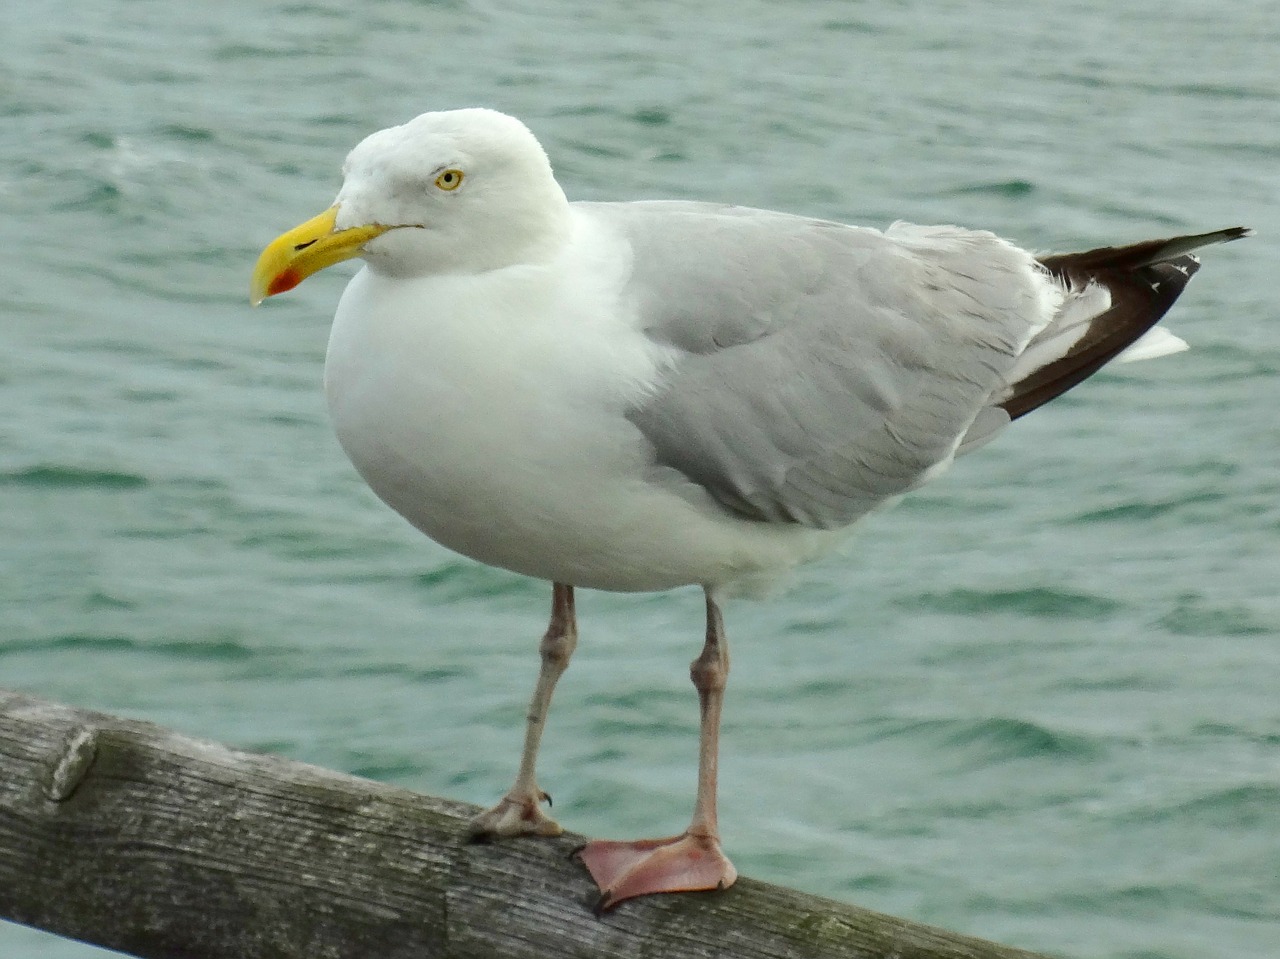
x,y
1039,702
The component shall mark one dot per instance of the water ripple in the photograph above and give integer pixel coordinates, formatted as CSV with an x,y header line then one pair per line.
x,y
997,739
1193,617
58,476
1042,601
224,650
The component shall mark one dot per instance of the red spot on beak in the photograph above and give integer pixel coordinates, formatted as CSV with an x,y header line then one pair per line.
x,y
285,281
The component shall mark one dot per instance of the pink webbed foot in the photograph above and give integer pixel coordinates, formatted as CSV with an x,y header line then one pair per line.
x,y
684,863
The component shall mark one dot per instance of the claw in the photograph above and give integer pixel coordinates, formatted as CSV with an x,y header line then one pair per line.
x,y
602,904
514,816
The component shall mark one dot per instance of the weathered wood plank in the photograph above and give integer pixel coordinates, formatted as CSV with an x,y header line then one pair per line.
x,y
133,837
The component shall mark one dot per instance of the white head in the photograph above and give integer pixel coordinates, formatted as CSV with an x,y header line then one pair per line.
x,y
463,191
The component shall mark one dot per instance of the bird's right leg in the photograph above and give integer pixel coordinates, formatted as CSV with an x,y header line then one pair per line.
x,y
693,860
520,811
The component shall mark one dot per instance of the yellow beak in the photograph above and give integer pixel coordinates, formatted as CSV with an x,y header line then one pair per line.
x,y
292,257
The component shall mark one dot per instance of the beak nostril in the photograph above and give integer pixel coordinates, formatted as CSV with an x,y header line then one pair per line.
x,y
302,246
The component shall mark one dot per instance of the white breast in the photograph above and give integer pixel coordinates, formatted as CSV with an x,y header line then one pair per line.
x,y
508,441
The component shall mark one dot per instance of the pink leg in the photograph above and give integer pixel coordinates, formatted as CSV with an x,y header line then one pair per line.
x,y
520,811
693,860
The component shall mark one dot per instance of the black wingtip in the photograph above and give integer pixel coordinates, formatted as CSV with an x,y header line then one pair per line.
x,y
1135,256
1229,234
1143,278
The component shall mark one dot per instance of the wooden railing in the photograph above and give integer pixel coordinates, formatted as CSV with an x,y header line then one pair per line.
x,y
130,836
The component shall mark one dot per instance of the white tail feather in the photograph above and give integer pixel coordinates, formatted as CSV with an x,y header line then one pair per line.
x,y
1078,310
1151,345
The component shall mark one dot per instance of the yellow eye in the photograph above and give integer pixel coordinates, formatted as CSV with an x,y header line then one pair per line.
x,y
449,180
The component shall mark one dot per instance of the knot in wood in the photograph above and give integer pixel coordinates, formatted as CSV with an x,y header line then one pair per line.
x,y
74,759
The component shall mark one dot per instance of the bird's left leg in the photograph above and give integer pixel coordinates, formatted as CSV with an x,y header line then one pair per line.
x,y
520,811
692,861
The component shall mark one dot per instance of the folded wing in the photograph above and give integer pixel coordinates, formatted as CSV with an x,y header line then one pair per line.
x,y
821,370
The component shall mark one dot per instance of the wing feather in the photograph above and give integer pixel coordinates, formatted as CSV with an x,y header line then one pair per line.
x,y
819,370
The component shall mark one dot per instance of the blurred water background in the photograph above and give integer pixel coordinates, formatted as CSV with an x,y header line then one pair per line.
x,y
1039,702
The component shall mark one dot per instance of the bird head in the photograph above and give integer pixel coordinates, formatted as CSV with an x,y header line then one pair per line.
x,y
462,191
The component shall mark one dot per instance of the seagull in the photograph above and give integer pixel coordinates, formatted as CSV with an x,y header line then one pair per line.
x,y
640,396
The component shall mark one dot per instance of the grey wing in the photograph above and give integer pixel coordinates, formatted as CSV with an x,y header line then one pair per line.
x,y
820,369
